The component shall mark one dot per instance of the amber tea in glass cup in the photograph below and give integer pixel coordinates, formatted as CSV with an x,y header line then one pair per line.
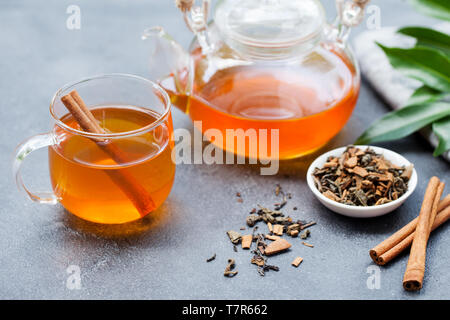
x,y
88,179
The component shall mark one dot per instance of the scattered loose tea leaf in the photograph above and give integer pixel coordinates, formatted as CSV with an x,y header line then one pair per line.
x,y
292,228
297,261
278,229
283,220
211,259
258,257
260,244
253,233
270,267
228,270
309,224
277,190
279,206
234,236
258,260
270,227
252,219
278,224
305,234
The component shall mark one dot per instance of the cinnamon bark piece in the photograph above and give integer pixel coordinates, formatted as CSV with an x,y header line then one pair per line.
x,y
415,270
270,237
127,182
330,195
246,241
390,248
352,162
294,233
360,172
277,246
442,217
307,244
297,261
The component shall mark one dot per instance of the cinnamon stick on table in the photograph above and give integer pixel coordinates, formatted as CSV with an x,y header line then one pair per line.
x,y
137,194
402,239
415,269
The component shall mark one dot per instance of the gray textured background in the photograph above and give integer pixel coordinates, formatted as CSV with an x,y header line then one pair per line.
x,y
166,260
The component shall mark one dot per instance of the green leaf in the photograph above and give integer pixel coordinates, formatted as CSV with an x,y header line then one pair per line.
x,y
424,64
441,129
403,122
425,94
428,37
436,8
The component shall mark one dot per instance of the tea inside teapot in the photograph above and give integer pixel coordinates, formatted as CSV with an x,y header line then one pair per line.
x,y
253,70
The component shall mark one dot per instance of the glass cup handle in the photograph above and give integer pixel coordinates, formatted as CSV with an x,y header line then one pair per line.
x,y
22,151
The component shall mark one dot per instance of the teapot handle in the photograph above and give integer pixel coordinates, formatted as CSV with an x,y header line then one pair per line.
x,y
196,19
350,13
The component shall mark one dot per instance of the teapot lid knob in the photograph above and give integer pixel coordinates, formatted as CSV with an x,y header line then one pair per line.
x,y
269,29
184,5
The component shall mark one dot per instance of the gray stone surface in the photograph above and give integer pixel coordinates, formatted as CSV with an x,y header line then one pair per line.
x,y
166,259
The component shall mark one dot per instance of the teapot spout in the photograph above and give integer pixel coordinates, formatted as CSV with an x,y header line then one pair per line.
x,y
168,61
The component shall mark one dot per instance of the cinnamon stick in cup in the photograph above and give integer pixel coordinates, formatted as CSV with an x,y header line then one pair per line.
x,y
415,269
402,239
137,194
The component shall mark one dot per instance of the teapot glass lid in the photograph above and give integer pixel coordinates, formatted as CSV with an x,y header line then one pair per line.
x,y
266,28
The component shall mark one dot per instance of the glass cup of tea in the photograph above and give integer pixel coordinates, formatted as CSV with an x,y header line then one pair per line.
x,y
117,176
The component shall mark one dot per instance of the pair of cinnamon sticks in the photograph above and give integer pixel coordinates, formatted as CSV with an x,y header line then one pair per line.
x,y
137,194
433,213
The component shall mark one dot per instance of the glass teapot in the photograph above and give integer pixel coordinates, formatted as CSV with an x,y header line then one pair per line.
x,y
263,65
